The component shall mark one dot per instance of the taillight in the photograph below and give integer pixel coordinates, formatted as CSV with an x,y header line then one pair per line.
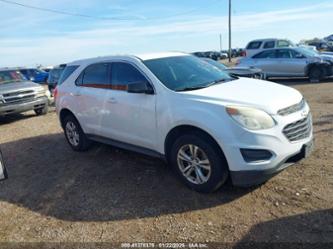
x,y
243,53
55,93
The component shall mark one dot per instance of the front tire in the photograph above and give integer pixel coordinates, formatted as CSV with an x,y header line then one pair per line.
x,y
75,135
42,111
315,74
199,162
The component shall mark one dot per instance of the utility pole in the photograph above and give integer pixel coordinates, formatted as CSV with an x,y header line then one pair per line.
x,y
229,30
220,42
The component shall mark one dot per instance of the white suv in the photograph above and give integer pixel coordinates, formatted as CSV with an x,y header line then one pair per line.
x,y
257,46
205,123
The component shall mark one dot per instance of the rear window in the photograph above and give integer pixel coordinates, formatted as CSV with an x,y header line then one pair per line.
x,y
66,73
254,45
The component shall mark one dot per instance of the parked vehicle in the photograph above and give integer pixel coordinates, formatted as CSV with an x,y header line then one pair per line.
x,y
19,95
249,72
3,171
291,62
256,46
34,74
214,55
54,76
205,123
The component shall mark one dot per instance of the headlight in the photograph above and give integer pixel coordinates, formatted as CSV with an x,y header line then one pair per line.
x,y
40,92
250,118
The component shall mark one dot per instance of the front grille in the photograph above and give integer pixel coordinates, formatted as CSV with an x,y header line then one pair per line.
x,y
298,130
18,97
14,94
292,109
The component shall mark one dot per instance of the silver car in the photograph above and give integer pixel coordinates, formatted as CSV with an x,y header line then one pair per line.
x,y
291,62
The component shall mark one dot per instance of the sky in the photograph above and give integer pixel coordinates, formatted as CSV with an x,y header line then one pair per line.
x,y
29,37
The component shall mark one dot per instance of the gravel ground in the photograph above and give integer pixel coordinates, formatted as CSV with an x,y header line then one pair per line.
x,y
110,195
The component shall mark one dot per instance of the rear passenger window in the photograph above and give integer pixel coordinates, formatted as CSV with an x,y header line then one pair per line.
x,y
265,55
269,44
96,75
254,45
124,74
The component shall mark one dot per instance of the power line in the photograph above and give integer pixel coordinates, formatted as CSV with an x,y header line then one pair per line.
x,y
100,18
63,12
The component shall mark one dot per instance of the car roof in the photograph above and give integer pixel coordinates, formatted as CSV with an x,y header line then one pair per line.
x,y
149,56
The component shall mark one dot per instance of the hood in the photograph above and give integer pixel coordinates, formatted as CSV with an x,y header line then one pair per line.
x,y
18,86
264,95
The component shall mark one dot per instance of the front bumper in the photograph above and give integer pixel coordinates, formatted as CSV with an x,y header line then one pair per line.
x,y
254,177
23,107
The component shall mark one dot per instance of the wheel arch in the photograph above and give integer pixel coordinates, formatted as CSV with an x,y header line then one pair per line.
x,y
321,66
63,114
186,129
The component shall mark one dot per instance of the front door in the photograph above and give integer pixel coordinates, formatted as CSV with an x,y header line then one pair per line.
x,y
131,117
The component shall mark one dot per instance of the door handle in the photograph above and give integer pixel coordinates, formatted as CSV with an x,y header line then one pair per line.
x,y
112,100
76,94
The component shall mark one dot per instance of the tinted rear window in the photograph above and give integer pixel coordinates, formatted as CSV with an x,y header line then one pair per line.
x,y
254,45
66,73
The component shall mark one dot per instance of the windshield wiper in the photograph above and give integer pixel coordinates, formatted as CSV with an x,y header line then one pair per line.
x,y
191,88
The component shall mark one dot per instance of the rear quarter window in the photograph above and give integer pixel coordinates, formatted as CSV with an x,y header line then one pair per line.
x,y
66,73
254,45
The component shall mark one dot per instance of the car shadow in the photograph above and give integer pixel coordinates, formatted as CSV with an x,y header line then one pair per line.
x,y
309,230
103,184
12,118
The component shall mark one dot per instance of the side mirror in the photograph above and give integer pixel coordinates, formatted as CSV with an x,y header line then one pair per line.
x,y
140,87
3,172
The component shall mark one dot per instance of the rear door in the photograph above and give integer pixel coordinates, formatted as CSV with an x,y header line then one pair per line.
x,y
3,172
90,97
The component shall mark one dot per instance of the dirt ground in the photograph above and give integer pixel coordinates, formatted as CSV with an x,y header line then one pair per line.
x,y
110,195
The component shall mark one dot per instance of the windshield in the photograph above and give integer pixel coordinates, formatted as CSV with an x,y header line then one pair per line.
x,y
182,73
11,76
307,52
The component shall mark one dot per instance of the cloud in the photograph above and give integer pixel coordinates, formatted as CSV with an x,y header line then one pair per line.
x,y
108,37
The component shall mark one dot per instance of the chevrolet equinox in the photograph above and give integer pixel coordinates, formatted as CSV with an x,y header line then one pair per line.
x,y
208,125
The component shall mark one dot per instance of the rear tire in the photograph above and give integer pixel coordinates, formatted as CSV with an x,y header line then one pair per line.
x,y
199,162
75,135
315,74
42,111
